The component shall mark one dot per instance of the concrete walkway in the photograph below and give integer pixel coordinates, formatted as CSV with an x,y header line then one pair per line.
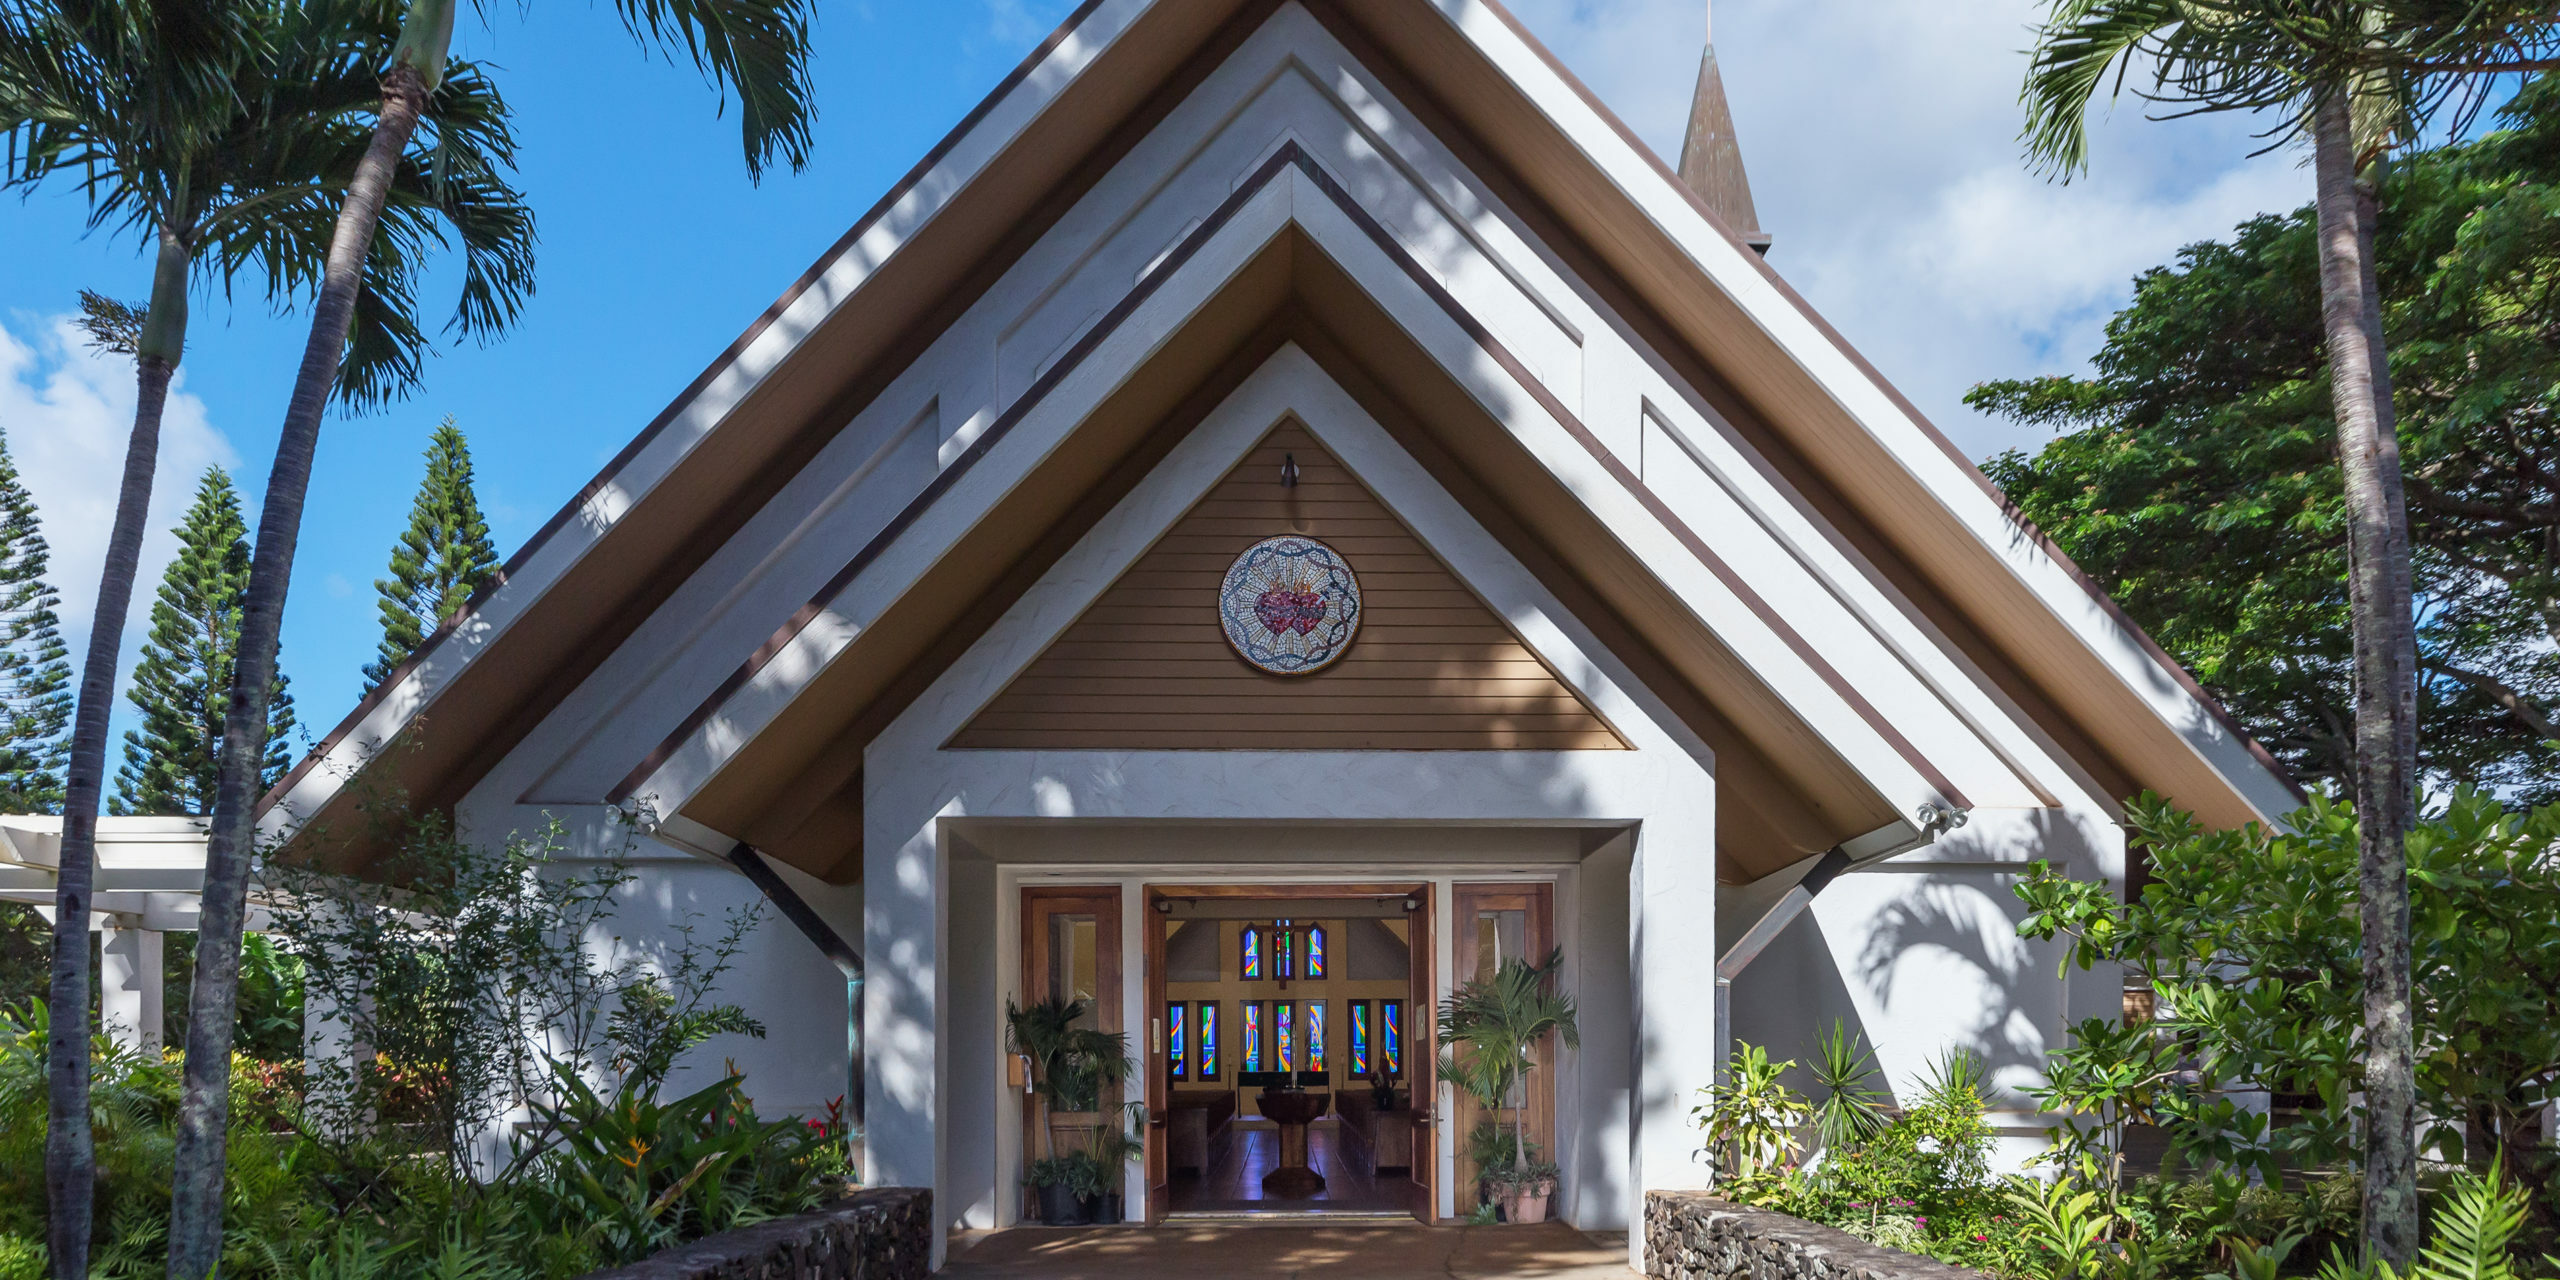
x,y
1206,1251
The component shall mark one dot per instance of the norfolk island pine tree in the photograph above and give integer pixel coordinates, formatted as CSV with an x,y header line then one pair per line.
x,y
755,48
440,560
219,130
35,670
2358,76
182,681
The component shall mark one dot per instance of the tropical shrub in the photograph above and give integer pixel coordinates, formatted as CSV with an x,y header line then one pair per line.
x,y
2249,940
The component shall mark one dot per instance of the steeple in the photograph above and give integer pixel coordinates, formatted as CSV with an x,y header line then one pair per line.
x,y
1711,157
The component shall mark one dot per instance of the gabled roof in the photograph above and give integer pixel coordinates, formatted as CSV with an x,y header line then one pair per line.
x,y
1895,490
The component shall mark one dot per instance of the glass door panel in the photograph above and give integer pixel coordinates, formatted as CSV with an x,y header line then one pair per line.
x,y
1495,925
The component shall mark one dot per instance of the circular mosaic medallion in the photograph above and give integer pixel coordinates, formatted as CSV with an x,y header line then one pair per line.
x,y
1290,605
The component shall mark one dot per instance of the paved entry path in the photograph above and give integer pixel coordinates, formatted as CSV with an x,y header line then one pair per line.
x,y
1552,1251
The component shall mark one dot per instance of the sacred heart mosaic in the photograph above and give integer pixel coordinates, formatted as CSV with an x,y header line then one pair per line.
x,y
1290,605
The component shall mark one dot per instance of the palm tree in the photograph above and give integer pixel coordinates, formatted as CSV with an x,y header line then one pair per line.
x,y
1504,1019
2358,76
755,48
219,131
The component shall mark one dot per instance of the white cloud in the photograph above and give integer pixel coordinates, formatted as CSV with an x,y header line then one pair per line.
x,y
1881,140
68,414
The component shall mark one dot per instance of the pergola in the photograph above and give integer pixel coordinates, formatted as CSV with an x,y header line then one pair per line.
x,y
150,881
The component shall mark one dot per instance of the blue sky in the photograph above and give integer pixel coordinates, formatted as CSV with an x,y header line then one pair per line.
x,y
1879,134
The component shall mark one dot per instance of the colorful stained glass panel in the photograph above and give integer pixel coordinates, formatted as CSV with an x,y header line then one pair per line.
x,y
1282,1015
1315,1035
1284,949
1391,1036
1175,1050
1315,951
1360,1037
1249,948
1207,1030
1252,1036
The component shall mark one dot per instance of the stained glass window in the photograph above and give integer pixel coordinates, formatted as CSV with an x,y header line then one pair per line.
x,y
1252,1035
1315,1034
1281,1016
1315,951
1208,1033
1360,1037
1391,1036
1282,949
1249,965
1173,1042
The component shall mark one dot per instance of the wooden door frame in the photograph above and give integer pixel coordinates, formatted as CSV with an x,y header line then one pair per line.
x,y
1421,1044
1537,900
1110,935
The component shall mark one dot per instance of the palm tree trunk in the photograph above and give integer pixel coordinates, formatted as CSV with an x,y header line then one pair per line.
x,y
70,1157
2386,664
204,1106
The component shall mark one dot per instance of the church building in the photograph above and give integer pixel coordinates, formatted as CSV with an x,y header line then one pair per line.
x,y
1288,507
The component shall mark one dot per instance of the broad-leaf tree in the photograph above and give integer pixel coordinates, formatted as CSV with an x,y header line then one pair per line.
x,y
221,133
182,681
441,559
35,670
2206,436
756,49
2357,76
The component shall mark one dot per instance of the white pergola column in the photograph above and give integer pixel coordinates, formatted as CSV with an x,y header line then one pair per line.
x,y
130,1005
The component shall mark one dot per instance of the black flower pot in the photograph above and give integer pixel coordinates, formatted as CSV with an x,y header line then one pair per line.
x,y
1060,1207
1106,1210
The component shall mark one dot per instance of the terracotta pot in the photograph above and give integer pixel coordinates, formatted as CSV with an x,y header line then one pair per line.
x,y
1528,1203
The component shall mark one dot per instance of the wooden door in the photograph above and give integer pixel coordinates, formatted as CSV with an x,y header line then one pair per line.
x,y
1494,924
1422,1054
1071,951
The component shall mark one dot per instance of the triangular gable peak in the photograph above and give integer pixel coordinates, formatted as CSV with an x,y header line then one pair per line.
x,y
1149,666
1681,434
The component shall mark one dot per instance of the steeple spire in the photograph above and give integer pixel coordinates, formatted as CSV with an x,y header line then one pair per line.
x,y
1711,157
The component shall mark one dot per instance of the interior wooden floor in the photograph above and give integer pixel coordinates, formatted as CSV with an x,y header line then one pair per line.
x,y
1234,1184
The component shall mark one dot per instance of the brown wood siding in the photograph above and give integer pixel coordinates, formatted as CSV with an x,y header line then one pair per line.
x,y
1147,668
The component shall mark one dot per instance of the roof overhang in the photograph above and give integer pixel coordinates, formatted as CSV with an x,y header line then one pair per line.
x,y
1889,483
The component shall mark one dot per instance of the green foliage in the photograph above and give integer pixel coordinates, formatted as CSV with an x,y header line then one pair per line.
x,y
35,670
1494,1027
605,1178
268,1008
439,979
2250,940
1752,1119
1851,1110
182,682
441,559
636,1175
2206,436
231,133
1071,1065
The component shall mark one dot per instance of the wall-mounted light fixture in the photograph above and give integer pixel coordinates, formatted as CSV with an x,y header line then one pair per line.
x,y
1288,471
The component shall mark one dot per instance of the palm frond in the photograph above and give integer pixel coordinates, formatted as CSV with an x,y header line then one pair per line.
x,y
758,49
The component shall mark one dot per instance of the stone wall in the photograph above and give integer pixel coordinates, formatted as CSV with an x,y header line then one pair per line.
x,y
1690,1235
882,1234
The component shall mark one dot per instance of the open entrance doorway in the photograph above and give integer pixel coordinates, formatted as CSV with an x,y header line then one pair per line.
x,y
1290,1049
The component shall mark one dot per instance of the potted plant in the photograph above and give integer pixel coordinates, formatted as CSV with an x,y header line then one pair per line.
x,y
1525,1190
1093,1183
1071,1067
1501,1022
1113,1147
1054,1179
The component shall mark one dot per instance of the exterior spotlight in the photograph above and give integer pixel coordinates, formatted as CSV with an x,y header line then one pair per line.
x,y
1288,471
